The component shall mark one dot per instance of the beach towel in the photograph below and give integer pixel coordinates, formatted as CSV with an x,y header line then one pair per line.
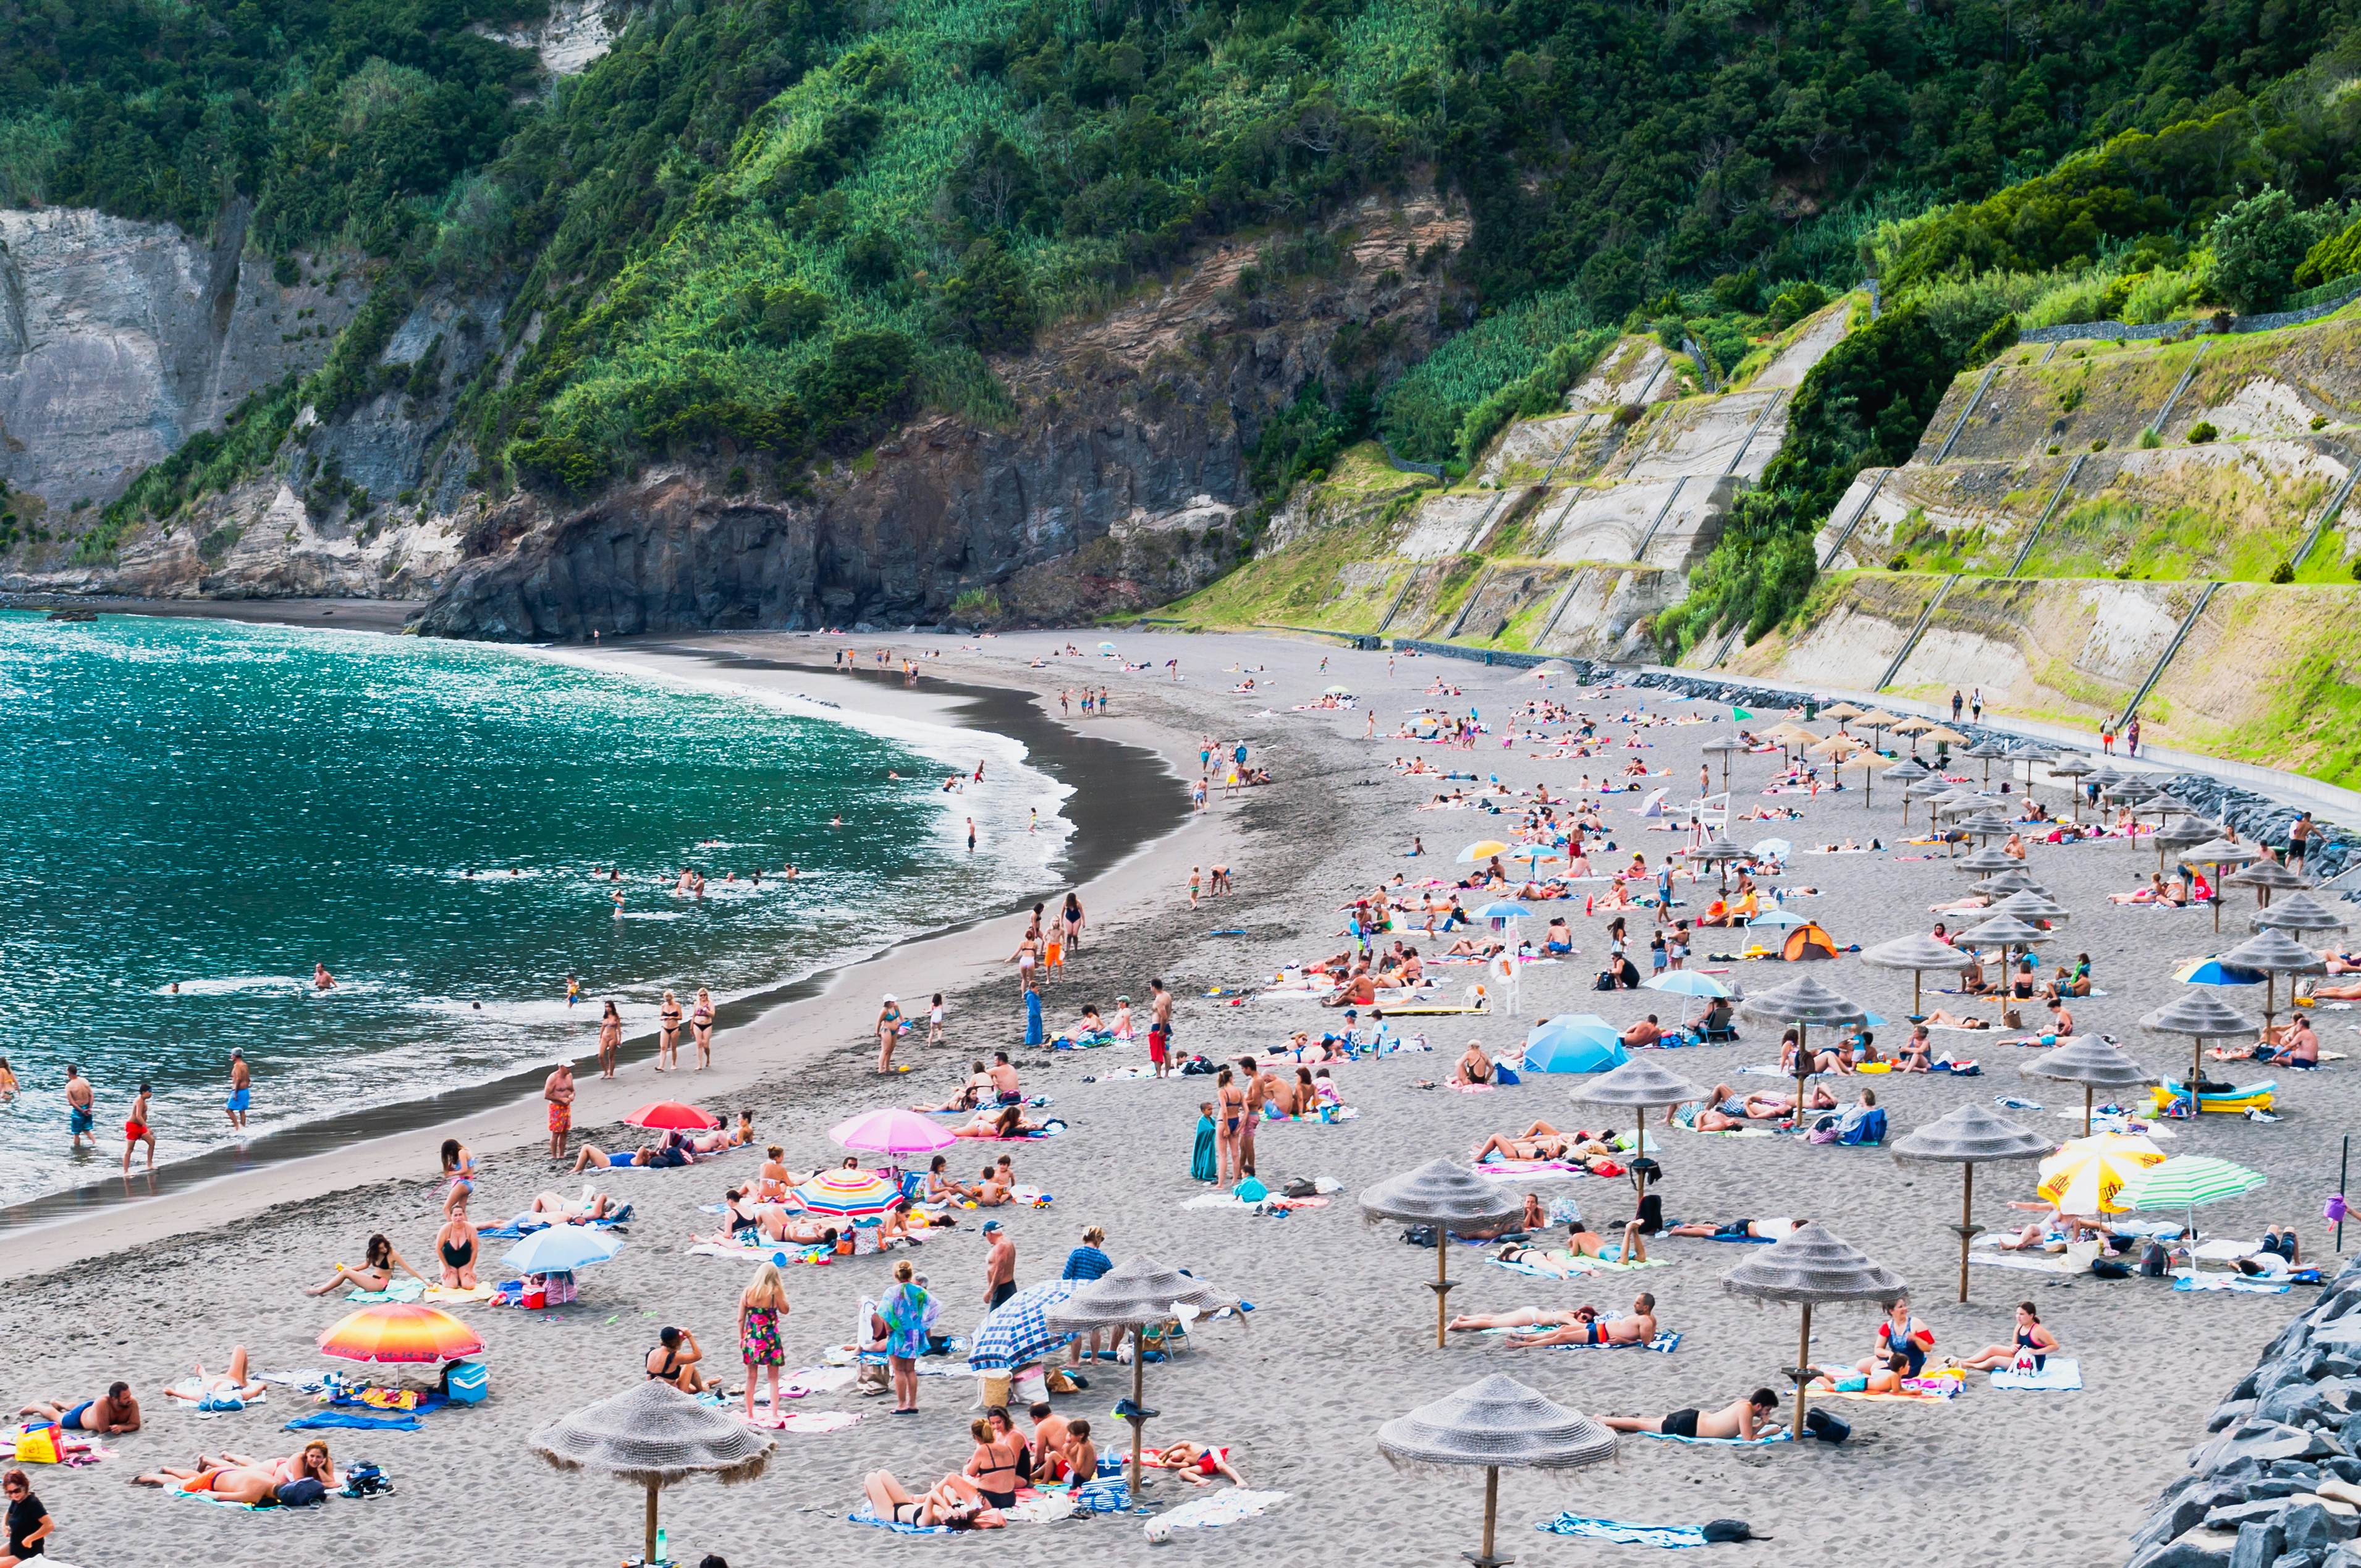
x,y
806,1380
1664,1343
1212,1511
1915,1391
1560,1264
1782,1435
2237,1282
2018,1261
324,1420
866,1514
2060,1376
1530,1170
395,1291
808,1421
446,1297
1624,1534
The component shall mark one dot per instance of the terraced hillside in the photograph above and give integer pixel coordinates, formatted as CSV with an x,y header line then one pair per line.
x,y
1572,529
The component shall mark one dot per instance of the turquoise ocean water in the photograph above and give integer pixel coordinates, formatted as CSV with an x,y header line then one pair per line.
x,y
222,806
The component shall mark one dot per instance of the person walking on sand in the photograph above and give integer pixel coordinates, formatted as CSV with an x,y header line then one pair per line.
x,y
999,1265
2131,736
241,1089
935,1021
559,1089
1196,880
137,1130
1976,704
610,1039
1956,704
79,1100
889,1030
1159,1029
668,1034
700,1021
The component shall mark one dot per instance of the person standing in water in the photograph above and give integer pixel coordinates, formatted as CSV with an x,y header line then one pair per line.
x,y
611,1040
241,1089
573,989
700,1020
971,835
321,979
136,1131
79,1099
559,1089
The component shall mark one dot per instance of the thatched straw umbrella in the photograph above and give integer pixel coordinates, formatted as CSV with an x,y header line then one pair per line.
x,y
2183,833
1987,823
1840,711
2016,879
1450,1198
2132,790
652,1435
2201,1015
1921,955
1497,1424
1131,1295
2267,877
1807,1267
2011,934
2302,912
2027,904
2094,1061
1642,1084
1928,788
1987,752
2216,853
2165,805
2275,953
1718,852
1868,764
2031,752
1877,721
1992,858
2074,769
1915,726
1725,747
1803,1002
1967,1137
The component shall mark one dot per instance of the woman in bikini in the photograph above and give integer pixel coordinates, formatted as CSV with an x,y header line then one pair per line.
x,y
993,1465
1007,1122
460,1167
374,1274
668,1034
611,1040
231,1478
701,1023
1229,1124
774,1180
456,1245
2032,1342
954,1503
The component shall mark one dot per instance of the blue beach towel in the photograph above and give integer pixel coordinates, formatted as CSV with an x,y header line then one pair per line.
x,y
867,1514
1782,1435
1626,1534
326,1419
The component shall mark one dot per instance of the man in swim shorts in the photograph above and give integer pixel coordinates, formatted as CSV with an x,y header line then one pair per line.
x,y
1159,1029
241,1089
1742,1419
559,1089
78,1107
1588,1328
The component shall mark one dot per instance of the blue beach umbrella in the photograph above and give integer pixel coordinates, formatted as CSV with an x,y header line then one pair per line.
x,y
1017,1332
1504,911
2213,971
1687,983
560,1249
1574,1042
1778,919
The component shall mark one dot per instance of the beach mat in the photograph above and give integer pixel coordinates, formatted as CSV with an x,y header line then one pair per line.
x,y
2060,1376
1668,1535
1782,1435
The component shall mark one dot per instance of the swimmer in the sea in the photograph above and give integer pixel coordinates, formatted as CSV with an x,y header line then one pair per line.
x,y
321,979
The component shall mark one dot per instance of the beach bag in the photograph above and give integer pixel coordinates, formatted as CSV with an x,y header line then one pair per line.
x,y
1419,1235
2155,1262
37,1445
2108,1268
305,1493
1825,1427
1718,1530
467,1382
1301,1187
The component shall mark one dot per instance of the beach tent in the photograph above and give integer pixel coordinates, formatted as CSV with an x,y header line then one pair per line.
x,y
1574,1042
1808,941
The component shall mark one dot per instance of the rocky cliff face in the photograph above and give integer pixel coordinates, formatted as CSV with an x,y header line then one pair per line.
x,y
1118,483
118,339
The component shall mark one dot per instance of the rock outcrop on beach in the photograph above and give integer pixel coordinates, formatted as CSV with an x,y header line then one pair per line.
x,y
2278,1484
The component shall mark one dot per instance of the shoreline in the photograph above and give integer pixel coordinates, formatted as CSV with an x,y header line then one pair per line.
x,y
1110,827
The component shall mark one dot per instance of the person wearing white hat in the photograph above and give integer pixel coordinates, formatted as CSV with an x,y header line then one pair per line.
x,y
889,1030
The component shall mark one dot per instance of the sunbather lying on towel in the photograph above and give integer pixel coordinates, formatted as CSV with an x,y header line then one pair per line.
x,y
1737,1230
1585,1326
234,1385
1881,1374
2072,1227
1744,1419
238,1478
1194,1463
1728,1110
1541,1141
1941,1019
954,1502
1007,1121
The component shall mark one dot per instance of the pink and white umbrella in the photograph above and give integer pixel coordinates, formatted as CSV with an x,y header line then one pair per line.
x,y
891,1132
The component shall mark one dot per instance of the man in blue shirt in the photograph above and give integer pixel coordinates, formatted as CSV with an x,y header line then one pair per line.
x,y
1086,1262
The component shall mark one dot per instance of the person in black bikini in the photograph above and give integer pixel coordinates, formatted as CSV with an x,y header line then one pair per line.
x,y
954,1502
1744,1419
992,1466
456,1244
675,1359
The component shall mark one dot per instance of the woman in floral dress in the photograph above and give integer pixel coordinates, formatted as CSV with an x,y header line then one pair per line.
x,y
760,1311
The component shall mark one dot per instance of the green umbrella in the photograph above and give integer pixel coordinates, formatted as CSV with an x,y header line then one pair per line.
x,y
2187,1181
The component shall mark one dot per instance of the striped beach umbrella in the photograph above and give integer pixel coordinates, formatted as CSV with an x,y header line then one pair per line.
x,y
2189,1181
1483,849
1016,1333
401,1332
847,1194
2088,1175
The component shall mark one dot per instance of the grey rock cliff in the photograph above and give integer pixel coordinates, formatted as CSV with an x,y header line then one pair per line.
x,y
119,339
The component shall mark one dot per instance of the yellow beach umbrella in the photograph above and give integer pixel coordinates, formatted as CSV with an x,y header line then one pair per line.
x,y
1941,735
2087,1176
1482,849
1842,710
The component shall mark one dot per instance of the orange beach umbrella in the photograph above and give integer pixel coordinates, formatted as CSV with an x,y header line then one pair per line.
x,y
400,1330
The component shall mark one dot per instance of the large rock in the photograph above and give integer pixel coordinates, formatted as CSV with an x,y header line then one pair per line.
x,y
2258,1546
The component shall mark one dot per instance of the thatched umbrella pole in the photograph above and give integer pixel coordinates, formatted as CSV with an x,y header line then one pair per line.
x,y
1801,1371
1441,1286
648,1554
1491,1425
